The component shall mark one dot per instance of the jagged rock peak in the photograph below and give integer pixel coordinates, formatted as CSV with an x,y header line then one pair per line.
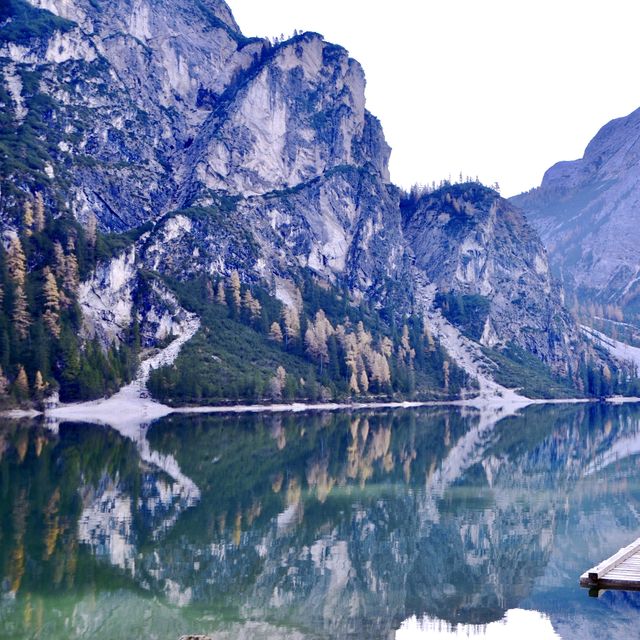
x,y
299,112
139,18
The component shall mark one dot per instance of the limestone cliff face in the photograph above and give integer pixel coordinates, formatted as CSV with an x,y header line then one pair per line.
x,y
254,157
588,214
130,84
300,113
469,241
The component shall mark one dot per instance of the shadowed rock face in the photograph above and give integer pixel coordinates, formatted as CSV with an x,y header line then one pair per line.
x,y
587,212
130,83
467,239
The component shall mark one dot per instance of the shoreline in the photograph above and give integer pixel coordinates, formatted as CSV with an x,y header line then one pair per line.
x,y
131,407
120,409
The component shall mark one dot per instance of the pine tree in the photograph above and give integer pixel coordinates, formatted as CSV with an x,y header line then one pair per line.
x,y
275,333
21,318
16,262
235,290
39,217
51,315
27,218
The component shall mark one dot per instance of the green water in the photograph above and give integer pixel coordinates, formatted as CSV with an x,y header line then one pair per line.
x,y
428,523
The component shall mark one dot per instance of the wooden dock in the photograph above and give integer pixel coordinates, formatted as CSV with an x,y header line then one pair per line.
x,y
620,571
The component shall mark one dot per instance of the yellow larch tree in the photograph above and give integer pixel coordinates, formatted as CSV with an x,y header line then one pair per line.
x,y
38,213
235,290
27,218
16,262
51,314
275,333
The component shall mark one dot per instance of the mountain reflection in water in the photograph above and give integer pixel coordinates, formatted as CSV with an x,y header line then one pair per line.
x,y
425,523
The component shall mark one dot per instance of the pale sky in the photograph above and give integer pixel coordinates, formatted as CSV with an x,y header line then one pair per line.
x,y
501,89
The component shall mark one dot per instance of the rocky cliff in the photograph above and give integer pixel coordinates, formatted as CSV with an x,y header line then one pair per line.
x,y
587,212
243,155
469,241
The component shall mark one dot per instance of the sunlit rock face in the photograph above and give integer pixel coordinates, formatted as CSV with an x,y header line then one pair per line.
x,y
300,113
587,214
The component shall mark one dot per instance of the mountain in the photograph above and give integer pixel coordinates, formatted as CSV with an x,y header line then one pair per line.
x,y
587,213
175,165
467,240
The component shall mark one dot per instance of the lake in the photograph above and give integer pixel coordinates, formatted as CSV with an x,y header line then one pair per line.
x,y
409,524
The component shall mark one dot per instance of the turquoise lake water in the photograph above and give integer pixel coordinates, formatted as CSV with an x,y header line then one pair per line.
x,y
423,523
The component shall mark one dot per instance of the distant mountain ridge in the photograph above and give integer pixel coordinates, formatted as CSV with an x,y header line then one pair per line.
x,y
588,214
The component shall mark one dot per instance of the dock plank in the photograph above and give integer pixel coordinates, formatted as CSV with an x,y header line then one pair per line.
x,y
620,571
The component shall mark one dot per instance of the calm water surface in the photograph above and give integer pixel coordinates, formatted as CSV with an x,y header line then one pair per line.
x,y
429,523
